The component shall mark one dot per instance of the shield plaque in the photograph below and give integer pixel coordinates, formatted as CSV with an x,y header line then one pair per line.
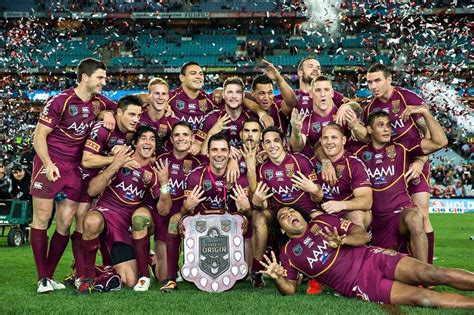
x,y
214,251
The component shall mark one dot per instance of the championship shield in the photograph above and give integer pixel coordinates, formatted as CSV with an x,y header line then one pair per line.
x,y
214,251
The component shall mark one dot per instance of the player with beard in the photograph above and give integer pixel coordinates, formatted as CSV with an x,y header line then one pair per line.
x,y
228,120
98,153
122,190
351,196
154,115
395,217
342,262
291,179
63,127
397,102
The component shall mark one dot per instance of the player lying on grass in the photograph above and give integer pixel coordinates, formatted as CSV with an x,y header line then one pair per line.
x,y
332,250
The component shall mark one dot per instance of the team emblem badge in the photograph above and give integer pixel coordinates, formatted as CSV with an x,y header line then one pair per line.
x,y
396,106
228,184
367,156
319,168
202,105
339,170
180,104
162,131
96,107
268,174
316,126
207,185
214,250
391,152
187,166
416,180
126,171
113,141
147,177
290,170
73,110
298,250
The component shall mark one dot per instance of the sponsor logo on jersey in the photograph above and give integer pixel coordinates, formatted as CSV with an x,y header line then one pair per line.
x,y
130,191
92,145
319,254
192,107
85,110
345,224
73,110
308,242
297,250
416,180
390,150
80,129
381,171
38,185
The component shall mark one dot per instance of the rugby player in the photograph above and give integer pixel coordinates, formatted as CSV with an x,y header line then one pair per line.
x,y
395,217
331,250
63,127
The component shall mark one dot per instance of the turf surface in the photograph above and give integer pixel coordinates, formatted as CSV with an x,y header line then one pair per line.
x,y
18,287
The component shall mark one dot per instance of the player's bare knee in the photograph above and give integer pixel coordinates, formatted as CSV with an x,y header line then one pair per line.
x,y
92,222
140,222
414,222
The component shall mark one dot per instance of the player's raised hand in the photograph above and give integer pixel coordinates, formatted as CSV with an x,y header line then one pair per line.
x,y
265,119
261,194
297,118
123,157
328,173
262,156
415,170
241,200
333,206
52,172
162,171
351,117
169,111
413,110
232,172
249,153
272,268
195,148
334,239
221,124
304,183
109,120
270,70
235,153
193,199
342,112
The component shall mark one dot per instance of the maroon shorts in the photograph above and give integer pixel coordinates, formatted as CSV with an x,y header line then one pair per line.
x,y
118,227
161,225
87,176
377,275
386,232
422,183
69,183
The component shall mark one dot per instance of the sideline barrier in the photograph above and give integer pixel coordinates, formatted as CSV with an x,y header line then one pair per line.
x,y
462,205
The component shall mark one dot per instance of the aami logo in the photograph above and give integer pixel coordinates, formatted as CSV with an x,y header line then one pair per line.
x,y
82,128
280,190
216,202
177,184
318,253
330,189
131,189
382,171
398,124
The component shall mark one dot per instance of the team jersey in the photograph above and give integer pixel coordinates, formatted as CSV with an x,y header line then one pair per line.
x,y
189,109
278,178
234,127
387,167
72,120
280,120
351,174
217,190
394,107
162,126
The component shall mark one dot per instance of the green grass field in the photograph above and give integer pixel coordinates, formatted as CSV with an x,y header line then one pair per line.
x,y
18,287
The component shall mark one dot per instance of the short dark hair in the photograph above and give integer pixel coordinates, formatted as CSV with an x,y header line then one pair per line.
x,y
272,129
275,227
300,64
234,80
376,67
187,64
128,100
261,79
217,137
89,66
253,120
376,114
140,131
182,123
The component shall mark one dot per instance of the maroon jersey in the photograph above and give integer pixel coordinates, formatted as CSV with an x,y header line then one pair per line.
x,y
189,109
71,120
162,126
305,101
280,120
387,168
129,188
178,170
234,127
311,254
217,190
313,126
351,174
394,107
278,178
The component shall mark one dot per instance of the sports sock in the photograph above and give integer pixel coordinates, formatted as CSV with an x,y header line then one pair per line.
x,y
90,248
256,267
39,245
142,254
57,245
172,255
431,240
76,241
106,258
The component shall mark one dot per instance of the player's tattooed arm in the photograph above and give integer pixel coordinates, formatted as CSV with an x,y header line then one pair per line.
x,y
98,184
297,139
328,171
41,147
275,271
